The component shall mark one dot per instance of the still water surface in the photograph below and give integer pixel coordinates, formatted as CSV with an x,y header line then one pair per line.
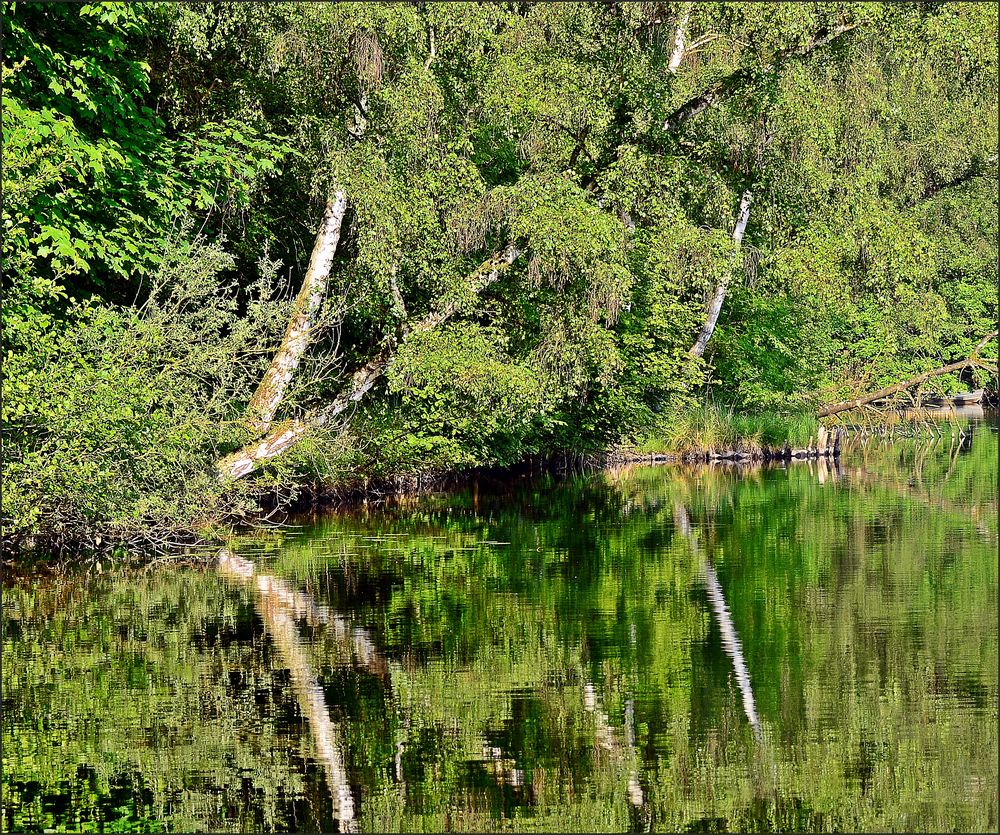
x,y
648,648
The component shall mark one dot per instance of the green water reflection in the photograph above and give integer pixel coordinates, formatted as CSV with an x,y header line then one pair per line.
x,y
651,648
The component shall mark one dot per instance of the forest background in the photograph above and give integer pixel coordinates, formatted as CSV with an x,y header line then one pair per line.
x,y
252,250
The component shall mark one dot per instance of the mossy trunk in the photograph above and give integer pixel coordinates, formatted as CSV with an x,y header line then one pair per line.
x,y
285,436
271,390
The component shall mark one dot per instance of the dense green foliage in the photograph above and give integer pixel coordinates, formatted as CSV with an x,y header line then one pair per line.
x,y
865,602
134,134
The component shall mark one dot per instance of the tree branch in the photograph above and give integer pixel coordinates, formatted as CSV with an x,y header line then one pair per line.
x,y
881,394
732,82
432,54
977,169
287,435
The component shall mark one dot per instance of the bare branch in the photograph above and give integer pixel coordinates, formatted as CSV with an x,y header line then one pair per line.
x,y
881,394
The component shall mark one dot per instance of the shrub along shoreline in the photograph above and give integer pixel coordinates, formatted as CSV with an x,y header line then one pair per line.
x,y
710,437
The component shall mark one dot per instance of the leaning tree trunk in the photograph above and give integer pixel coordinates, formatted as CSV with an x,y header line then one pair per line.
x,y
737,80
285,436
698,349
679,40
271,390
881,394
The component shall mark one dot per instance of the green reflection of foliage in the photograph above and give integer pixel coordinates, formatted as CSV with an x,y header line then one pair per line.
x,y
865,602
129,682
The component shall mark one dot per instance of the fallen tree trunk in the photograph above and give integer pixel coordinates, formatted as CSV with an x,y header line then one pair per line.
x,y
271,390
284,437
858,402
698,349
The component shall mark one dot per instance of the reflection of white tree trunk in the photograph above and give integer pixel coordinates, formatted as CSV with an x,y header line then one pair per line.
x,y
731,643
717,600
607,738
280,606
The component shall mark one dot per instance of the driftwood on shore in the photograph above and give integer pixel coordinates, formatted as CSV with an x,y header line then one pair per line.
x,y
882,394
825,444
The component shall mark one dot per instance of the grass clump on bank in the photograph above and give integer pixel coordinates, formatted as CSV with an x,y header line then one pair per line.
x,y
716,427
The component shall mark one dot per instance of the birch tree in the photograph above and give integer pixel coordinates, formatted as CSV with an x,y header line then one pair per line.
x,y
715,305
271,390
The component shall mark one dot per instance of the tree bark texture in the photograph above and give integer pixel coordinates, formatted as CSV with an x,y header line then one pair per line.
x,y
271,390
679,40
285,436
858,402
698,349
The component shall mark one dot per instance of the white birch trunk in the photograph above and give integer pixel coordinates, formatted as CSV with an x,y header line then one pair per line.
x,y
698,349
290,433
679,40
271,390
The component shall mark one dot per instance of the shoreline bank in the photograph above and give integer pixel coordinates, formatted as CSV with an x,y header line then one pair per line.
x,y
180,542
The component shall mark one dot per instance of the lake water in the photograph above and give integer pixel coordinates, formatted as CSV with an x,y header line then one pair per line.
x,y
647,648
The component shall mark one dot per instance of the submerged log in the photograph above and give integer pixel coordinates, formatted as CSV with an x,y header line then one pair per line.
x,y
881,394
